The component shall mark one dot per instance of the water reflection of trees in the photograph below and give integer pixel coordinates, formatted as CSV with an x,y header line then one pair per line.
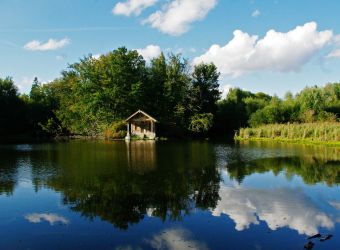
x,y
122,183
97,180
8,172
311,169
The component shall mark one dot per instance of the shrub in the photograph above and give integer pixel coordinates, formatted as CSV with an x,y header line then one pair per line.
x,y
201,123
117,130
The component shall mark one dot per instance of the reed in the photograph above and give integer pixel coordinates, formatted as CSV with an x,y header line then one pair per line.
x,y
325,132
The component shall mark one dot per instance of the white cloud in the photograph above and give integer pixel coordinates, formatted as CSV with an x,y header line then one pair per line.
x,y
275,52
334,54
96,56
25,83
177,16
278,208
256,13
51,44
337,39
173,239
50,218
225,90
149,52
26,80
132,7
335,204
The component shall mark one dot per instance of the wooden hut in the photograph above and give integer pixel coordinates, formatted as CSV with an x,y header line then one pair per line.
x,y
141,125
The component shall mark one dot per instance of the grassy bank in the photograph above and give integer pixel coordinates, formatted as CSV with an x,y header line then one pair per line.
x,y
306,133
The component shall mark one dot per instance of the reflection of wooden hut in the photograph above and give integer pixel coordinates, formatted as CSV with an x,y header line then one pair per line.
x,y
141,155
141,125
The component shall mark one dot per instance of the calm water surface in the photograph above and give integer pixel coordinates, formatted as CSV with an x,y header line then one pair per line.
x,y
168,195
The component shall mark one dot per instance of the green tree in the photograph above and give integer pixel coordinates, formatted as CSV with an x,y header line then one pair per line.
x,y
12,109
204,92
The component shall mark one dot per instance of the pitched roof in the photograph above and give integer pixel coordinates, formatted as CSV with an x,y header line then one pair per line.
x,y
141,112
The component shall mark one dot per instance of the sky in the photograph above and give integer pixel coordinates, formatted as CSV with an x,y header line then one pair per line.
x,y
272,46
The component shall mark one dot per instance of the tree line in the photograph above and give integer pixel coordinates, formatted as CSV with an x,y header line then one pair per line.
x,y
93,96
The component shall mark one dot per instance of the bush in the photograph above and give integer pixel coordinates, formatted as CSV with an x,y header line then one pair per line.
x,y
51,127
201,123
117,130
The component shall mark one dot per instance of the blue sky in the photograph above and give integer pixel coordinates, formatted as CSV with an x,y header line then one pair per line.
x,y
288,58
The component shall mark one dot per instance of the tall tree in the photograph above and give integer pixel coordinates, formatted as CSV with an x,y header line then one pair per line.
x,y
11,108
204,92
155,88
176,89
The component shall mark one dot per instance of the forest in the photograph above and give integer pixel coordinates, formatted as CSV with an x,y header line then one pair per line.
x,y
92,97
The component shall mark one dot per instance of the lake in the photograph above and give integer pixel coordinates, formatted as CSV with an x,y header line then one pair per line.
x,y
168,195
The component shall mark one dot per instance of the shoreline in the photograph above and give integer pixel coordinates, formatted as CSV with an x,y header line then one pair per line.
x,y
291,141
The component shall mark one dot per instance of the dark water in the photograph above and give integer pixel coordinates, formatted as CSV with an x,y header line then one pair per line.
x,y
168,195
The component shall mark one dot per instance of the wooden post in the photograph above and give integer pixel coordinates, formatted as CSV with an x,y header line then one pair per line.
x,y
128,135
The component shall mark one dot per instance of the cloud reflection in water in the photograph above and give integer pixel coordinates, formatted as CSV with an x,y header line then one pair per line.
x,y
50,218
176,239
279,208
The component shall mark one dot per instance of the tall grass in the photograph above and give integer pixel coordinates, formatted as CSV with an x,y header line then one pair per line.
x,y
313,132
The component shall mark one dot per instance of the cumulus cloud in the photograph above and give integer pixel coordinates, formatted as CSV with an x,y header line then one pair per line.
x,y
149,52
334,54
134,7
51,44
177,16
337,39
275,52
256,13
278,208
173,239
50,218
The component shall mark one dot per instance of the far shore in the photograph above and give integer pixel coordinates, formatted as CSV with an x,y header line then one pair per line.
x,y
293,141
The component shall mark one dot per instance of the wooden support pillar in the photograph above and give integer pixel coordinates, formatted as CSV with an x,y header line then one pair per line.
x,y
128,132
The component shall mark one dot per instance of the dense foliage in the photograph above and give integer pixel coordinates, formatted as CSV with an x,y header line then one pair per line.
x,y
94,95
312,104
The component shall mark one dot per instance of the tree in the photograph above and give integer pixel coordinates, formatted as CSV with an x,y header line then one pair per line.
x,y
176,89
101,91
155,87
12,114
204,92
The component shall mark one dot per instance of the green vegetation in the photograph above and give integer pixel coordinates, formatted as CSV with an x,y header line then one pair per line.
x,y
311,116
313,133
117,130
93,96
201,123
313,104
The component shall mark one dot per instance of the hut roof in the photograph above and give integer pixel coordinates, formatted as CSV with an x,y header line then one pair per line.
x,y
140,112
